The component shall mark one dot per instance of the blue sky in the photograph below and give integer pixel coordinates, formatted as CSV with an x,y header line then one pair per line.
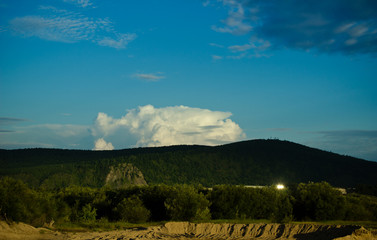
x,y
90,74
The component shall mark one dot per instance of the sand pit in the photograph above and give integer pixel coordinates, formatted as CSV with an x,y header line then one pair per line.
x,y
186,230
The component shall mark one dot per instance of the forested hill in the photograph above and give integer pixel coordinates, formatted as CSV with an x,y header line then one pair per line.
x,y
255,162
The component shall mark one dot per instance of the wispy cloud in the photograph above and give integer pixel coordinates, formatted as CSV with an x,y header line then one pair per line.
x,y
348,27
257,45
240,48
3,29
150,77
239,56
48,135
206,3
6,131
217,57
81,3
119,42
360,143
60,25
350,133
279,129
67,29
235,22
216,45
9,120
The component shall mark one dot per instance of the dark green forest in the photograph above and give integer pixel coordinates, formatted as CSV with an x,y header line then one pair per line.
x,y
186,183
255,162
302,202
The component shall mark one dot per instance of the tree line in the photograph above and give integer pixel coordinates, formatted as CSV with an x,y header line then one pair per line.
x,y
304,201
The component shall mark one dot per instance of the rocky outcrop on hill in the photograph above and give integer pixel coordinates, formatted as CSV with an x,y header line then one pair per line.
x,y
124,175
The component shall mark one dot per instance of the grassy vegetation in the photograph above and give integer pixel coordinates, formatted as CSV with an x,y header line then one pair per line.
x,y
235,221
119,225
102,225
370,225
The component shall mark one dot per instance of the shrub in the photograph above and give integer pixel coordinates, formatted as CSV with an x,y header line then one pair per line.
x,y
132,210
88,213
318,201
18,202
238,202
186,204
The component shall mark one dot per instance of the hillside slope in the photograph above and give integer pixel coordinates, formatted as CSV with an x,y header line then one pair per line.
x,y
254,162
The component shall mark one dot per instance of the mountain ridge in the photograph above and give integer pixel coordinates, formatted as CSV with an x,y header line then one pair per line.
x,y
251,162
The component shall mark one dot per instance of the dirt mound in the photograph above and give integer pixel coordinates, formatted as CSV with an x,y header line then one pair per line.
x,y
207,231
257,231
25,231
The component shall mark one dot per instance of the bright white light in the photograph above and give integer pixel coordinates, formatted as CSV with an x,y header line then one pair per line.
x,y
280,186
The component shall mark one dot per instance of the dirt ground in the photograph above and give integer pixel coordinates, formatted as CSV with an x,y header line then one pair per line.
x,y
186,230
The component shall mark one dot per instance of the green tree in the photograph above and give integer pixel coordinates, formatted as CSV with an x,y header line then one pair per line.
x,y
238,202
76,198
132,210
17,201
225,202
187,204
361,207
154,198
318,201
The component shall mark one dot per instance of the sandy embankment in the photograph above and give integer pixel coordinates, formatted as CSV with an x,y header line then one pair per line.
x,y
24,231
185,230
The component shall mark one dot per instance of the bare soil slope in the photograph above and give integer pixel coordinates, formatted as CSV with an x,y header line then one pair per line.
x,y
24,231
185,230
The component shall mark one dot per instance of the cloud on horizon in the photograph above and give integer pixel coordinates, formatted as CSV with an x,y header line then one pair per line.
x,y
360,143
48,135
337,26
101,145
9,120
145,126
149,126
60,25
171,126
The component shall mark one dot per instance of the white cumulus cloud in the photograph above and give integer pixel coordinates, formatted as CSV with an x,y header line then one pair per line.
x,y
171,126
101,144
